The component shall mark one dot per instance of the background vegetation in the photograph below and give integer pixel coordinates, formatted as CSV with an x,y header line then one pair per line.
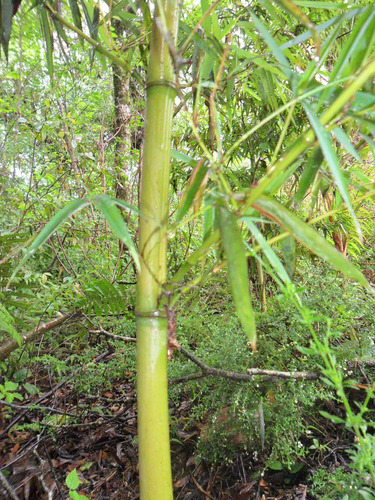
x,y
272,135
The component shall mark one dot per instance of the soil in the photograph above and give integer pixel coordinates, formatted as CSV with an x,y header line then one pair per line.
x,y
97,436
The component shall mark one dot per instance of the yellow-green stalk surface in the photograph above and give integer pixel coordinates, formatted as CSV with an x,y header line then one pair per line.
x,y
152,324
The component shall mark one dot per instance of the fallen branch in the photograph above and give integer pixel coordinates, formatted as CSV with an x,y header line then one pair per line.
x,y
113,336
209,371
11,345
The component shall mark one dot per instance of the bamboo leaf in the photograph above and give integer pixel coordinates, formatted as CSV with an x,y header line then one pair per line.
x,y
296,12
268,251
56,221
114,218
322,27
308,175
194,183
183,158
76,14
237,269
310,238
288,247
345,143
6,10
273,45
124,204
332,161
363,26
46,28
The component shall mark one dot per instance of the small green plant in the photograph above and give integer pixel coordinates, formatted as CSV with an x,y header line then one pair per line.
x,y
8,391
73,481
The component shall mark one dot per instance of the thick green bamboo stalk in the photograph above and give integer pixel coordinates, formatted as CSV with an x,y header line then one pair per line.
x,y
152,323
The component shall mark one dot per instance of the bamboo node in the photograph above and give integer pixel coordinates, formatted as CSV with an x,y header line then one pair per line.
x,y
162,82
151,314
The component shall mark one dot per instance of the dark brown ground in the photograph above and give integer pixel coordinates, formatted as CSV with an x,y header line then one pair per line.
x,y
101,445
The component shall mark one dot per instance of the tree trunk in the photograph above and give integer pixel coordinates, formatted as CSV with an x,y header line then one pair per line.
x,y
152,323
122,119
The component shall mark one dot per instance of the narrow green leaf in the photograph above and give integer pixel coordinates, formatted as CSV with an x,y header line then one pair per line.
x,y
350,48
334,418
308,175
238,273
322,27
46,28
6,10
114,218
124,204
183,158
345,143
310,238
333,162
92,24
268,251
191,190
273,45
76,14
288,247
56,221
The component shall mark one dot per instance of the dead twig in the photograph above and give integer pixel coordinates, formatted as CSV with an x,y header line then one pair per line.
x,y
209,371
8,488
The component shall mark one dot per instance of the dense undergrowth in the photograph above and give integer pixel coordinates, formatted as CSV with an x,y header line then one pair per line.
x,y
278,423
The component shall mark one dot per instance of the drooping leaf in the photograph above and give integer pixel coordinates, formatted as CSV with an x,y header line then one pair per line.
x,y
310,238
56,221
268,251
76,13
238,272
332,161
6,11
273,45
308,175
194,183
47,33
115,221
345,142
177,155
288,247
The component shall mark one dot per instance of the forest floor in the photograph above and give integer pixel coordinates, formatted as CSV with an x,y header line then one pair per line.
x,y
39,447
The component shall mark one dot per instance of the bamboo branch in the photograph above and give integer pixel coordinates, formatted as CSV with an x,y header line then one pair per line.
x,y
11,345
